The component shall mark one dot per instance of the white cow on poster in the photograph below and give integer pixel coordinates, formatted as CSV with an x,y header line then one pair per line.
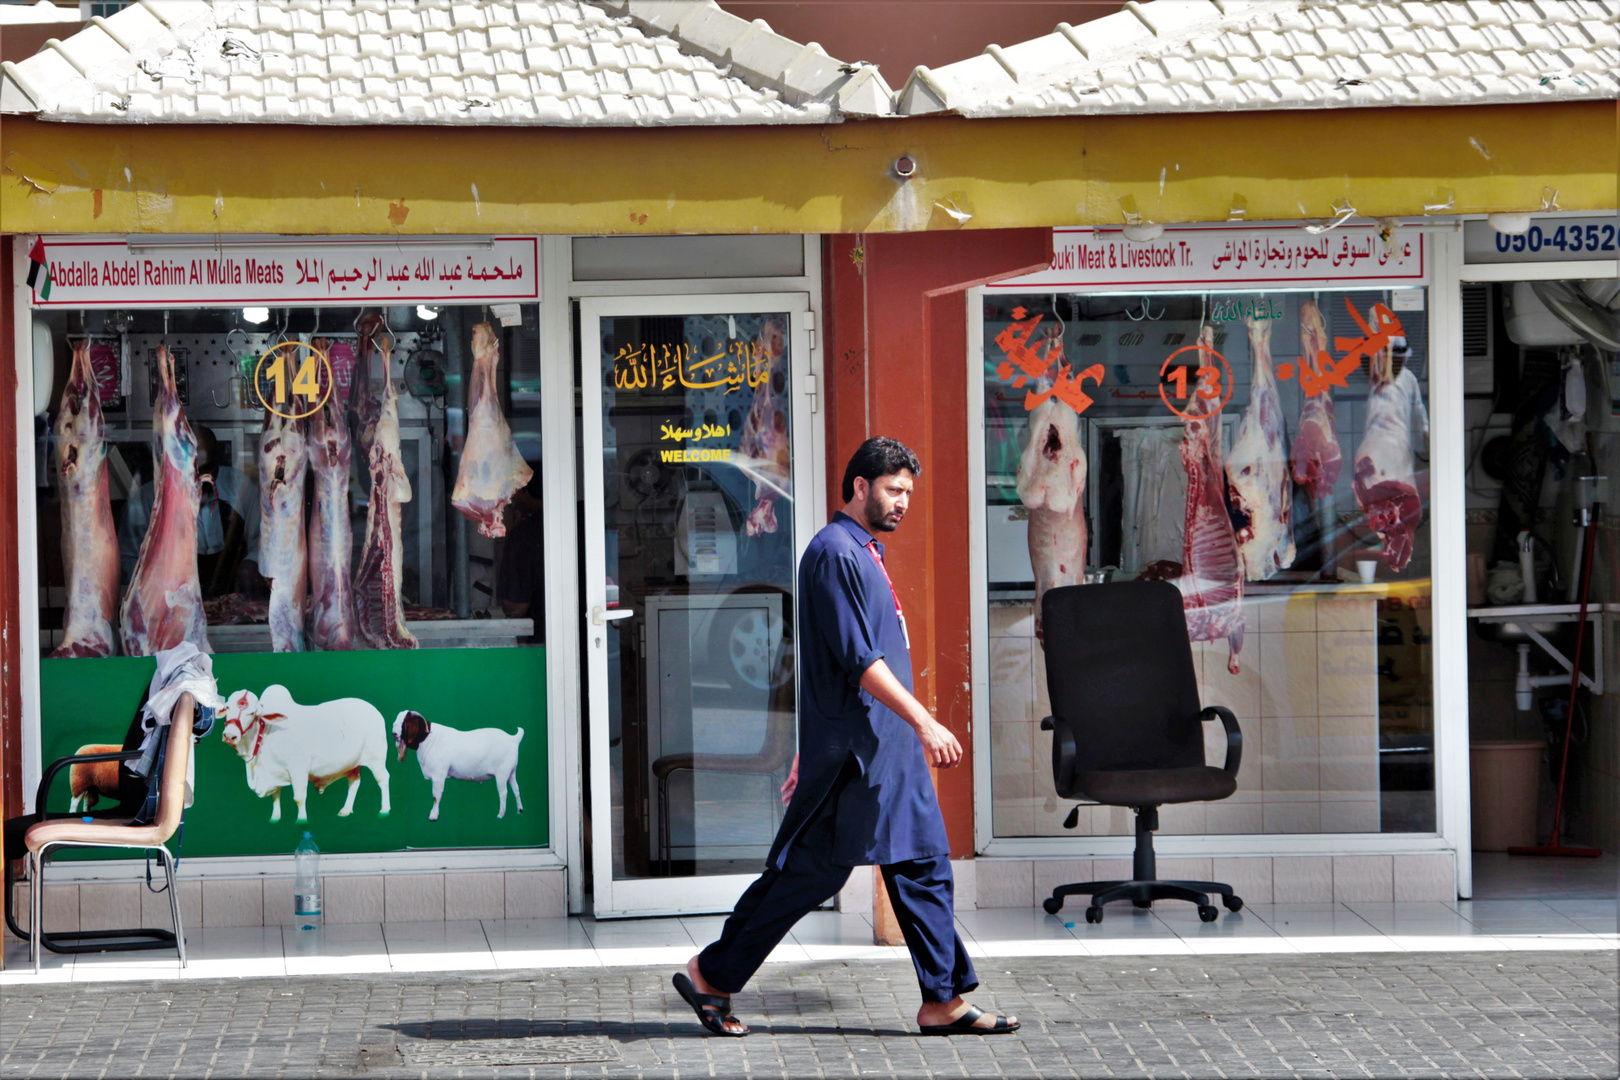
x,y
285,743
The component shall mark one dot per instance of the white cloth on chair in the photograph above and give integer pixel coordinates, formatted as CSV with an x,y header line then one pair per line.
x,y
184,669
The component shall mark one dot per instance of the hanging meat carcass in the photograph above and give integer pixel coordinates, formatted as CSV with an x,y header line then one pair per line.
x,y
1316,458
1259,488
283,550
331,539
1211,573
1385,481
89,542
164,604
379,611
764,444
1052,486
491,467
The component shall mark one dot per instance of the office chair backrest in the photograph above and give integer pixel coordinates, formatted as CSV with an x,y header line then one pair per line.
x,y
1119,669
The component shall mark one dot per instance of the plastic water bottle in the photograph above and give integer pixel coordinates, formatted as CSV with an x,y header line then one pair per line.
x,y
307,885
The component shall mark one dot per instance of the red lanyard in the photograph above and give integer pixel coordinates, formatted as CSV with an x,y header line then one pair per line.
x,y
872,547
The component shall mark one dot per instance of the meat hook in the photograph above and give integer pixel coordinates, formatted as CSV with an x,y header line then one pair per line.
x,y
1146,314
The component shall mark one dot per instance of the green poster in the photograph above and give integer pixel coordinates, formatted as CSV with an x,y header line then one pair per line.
x,y
338,709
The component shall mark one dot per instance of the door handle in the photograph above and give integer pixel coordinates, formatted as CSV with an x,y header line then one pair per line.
x,y
601,616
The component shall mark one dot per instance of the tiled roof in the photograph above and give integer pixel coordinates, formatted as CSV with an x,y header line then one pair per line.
x,y
515,62
1220,55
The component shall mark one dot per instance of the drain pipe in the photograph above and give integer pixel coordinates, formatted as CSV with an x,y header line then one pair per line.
x,y
1526,683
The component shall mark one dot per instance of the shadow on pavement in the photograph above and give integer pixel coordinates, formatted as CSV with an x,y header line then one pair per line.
x,y
472,1029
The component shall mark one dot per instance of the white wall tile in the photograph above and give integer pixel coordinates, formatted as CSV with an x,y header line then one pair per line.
x,y
1363,877
109,905
155,906
1287,674
1250,878
536,894
855,898
1005,883
1228,816
233,902
1426,877
352,898
278,900
1291,817
1183,869
413,898
475,896
1050,873
965,884
1302,879
1347,680
1349,815
1183,819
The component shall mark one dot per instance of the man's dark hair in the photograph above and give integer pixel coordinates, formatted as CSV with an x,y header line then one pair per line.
x,y
879,457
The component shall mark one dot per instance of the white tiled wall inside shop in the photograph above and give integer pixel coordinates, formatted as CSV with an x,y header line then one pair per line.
x,y
1306,697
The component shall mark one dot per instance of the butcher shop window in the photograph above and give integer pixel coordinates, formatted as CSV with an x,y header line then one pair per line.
x,y
1301,545
290,480
343,506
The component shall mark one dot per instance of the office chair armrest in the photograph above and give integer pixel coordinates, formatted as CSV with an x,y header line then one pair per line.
x,y
77,759
1234,735
1046,724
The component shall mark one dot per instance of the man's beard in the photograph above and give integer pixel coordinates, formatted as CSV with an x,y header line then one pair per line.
x,y
879,520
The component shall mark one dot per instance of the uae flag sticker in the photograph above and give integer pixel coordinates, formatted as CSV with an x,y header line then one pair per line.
x,y
39,267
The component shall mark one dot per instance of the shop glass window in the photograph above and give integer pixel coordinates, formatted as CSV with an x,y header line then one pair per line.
x,y
341,505
1310,619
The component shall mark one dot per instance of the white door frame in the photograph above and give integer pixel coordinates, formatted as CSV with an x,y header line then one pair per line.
x,y
695,895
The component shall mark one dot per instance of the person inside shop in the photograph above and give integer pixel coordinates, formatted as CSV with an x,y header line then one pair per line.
x,y
521,584
227,524
861,792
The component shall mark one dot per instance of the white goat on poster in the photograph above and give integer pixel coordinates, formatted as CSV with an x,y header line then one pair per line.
x,y
447,753
285,743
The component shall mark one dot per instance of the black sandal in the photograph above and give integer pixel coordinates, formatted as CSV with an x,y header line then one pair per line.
x,y
713,1010
964,1025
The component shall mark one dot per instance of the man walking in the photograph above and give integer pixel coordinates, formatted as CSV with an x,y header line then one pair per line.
x,y
861,792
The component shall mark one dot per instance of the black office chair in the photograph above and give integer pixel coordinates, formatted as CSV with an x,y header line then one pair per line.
x,y
1127,729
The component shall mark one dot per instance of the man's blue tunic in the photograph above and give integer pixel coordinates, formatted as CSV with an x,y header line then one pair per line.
x,y
848,620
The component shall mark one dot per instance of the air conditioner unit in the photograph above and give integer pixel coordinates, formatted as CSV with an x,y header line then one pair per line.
x,y
1479,339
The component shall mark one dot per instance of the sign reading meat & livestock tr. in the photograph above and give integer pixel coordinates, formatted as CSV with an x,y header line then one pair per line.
x,y
1229,257
176,271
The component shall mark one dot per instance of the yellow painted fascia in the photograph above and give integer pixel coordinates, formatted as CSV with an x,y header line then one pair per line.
x,y
246,178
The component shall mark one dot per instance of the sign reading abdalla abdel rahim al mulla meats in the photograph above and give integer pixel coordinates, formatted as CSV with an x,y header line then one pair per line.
x,y
74,271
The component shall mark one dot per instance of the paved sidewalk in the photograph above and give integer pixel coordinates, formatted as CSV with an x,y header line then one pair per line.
x,y
1509,1014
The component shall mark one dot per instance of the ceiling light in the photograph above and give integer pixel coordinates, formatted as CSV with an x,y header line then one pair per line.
x,y
256,315
426,313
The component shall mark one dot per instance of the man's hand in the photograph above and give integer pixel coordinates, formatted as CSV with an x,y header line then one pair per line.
x,y
939,745
791,784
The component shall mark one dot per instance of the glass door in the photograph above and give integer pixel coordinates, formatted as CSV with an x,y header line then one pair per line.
x,y
693,442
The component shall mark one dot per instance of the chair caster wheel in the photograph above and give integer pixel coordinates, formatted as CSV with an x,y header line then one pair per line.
x,y
1142,903
1233,903
1208,912
1093,914
1052,905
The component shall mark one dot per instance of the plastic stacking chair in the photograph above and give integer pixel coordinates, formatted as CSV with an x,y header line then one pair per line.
x,y
1127,729
174,753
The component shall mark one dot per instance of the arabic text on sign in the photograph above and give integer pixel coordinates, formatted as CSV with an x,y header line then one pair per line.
x,y
663,367
696,434
1315,378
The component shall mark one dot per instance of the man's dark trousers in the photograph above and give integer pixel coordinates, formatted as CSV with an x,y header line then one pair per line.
x,y
920,890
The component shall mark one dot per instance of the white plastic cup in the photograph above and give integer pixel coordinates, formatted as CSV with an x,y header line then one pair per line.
x,y
1368,569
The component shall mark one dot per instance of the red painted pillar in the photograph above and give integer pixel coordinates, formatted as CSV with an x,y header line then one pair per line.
x,y
10,541
895,311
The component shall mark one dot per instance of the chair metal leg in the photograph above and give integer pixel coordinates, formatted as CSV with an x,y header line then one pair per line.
x,y
174,902
36,906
